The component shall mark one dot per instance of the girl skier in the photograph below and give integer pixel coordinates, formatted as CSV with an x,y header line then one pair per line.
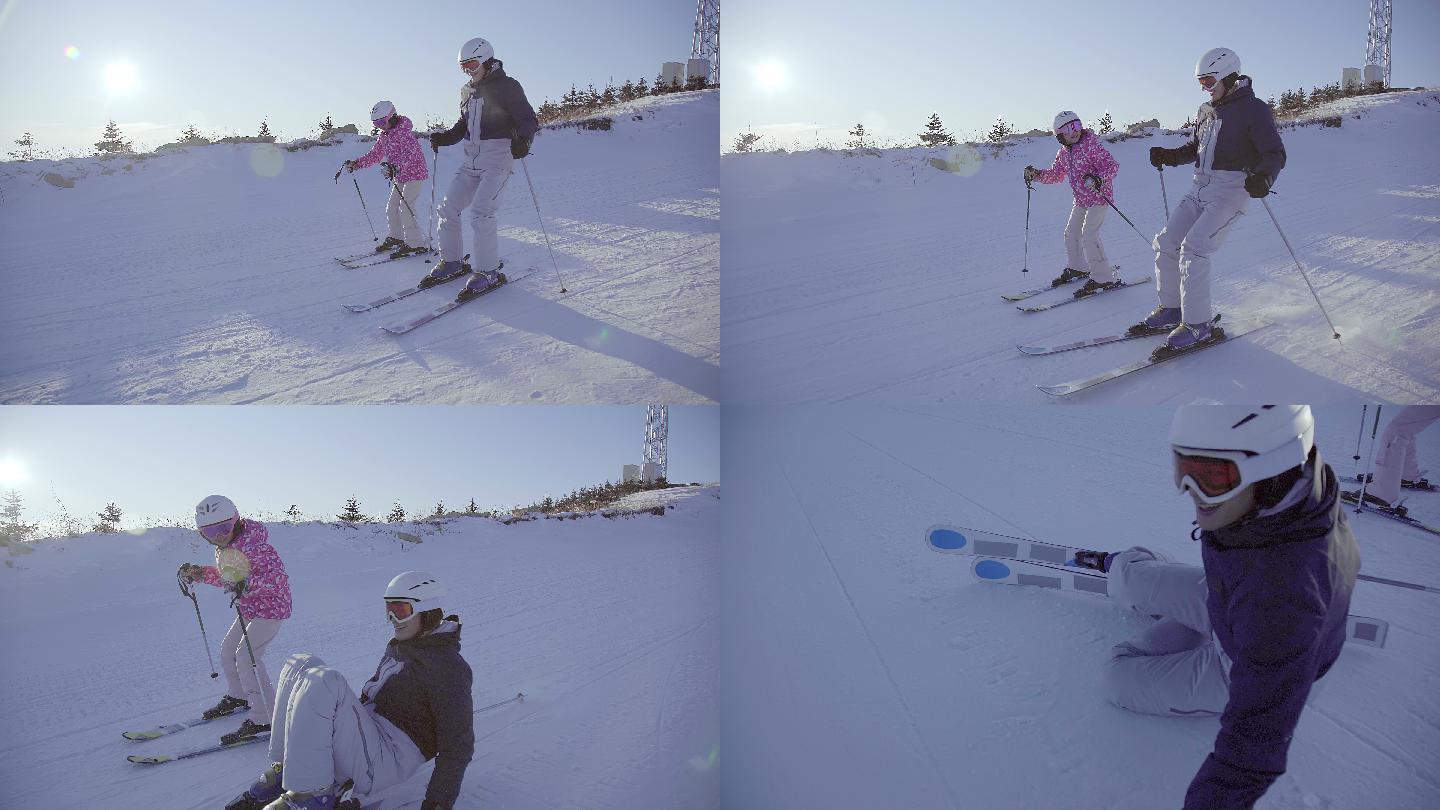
x,y
1091,169
248,567
415,708
1246,636
405,168
1237,155
497,124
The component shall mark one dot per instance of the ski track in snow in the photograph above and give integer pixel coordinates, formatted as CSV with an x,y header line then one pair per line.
x,y
1000,684
878,279
190,279
609,627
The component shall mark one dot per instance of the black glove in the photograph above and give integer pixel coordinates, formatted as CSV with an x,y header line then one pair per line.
x,y
1159,156
519,147
1258,185
1093,181
434,145
349,166
1030,172
390,171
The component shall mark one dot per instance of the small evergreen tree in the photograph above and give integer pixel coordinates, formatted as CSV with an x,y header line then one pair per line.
x,y
112,142
1107,125
264,130
627,91
659,88
439,510
641,88
745,142
293,513
697,83
27,148
12,528
1000,131
109,520
609,97
190,134
397,514
352,512
472,509
326,125
935,133
857,141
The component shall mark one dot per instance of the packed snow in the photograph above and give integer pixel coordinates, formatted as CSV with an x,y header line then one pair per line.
x,y
861,669
610,627
878,277
207,275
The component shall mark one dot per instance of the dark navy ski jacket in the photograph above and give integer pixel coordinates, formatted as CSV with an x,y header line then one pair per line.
x,y
1279,592
423,686
504,111
1236,133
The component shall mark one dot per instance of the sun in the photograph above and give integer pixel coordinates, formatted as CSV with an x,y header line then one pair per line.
x,y
120,77
771,76
12,472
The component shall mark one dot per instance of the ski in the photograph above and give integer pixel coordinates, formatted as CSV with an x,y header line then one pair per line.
x,y
402,327
1072,299
1423,485
379,258
1354,498
1358,629
1023,294
961,540
406,293
1234,330
1087,343
195,752
172,728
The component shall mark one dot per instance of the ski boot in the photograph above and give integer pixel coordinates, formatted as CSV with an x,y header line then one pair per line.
x,y
1188,336
1423,485
1093,560
479,284
1380,503
1162,319
1092,287
290,800
406,250
227,705
443,272
246,731
1068,276
389,244
264,790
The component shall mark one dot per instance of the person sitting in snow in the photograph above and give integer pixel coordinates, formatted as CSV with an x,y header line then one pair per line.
x,y
1247,635
404,163
415,708
1237,154
247,566
1091,170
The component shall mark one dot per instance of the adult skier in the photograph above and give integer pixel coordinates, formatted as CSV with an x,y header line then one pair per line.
x,y
1237,155
1091,170
250,569
415,708
405,169
1397,465
497,125
1246,636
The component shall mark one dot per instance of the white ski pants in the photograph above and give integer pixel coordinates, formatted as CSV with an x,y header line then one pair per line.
x,y
478,184
240,678
1083,249
1175,668
1397,455
323,736
1197,228
401,213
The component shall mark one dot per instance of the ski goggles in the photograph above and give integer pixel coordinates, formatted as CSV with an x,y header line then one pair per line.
x,y
399,611
381,122
1208,82
1214,477
470,65
1070,128
215,531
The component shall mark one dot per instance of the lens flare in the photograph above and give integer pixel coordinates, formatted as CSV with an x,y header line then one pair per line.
x,y
72,52
267,160
12,471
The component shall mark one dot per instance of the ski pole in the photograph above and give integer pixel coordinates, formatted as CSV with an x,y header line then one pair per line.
x,y
1358,437
190,593
433,170
1025,263
518,696
397,189
254,667
1148,242
541,217
1334,333
1163,196
362,202
1365,483
1397,583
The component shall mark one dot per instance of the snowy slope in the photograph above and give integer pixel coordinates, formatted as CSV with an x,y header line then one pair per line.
x,y
860,669
192,276
610,627
879,278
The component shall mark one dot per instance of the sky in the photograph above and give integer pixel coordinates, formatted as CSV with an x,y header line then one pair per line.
x,y
157,462
225,66
806,71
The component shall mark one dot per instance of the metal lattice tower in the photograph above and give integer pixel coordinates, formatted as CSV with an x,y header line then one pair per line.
x,y
706,44
1377,46
657,432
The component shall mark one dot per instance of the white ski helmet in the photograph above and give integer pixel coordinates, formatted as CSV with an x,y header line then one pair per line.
x,y
1262,441
422,590
1062,118
1217,63
477,48
215,509
382,109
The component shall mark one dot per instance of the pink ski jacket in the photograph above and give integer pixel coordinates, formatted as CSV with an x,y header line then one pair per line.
x,y
267,589
1087,156
398,147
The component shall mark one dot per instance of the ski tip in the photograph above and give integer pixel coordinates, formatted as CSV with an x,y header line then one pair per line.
x,y
1055,390
1031,350
943,538
991,569
139,760
138,735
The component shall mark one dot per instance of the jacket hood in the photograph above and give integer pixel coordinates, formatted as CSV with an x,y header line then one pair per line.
x,y
1312,516
1240,92
445,636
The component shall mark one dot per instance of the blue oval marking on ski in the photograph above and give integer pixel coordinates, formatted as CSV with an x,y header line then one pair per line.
x,y
992,569
948,539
